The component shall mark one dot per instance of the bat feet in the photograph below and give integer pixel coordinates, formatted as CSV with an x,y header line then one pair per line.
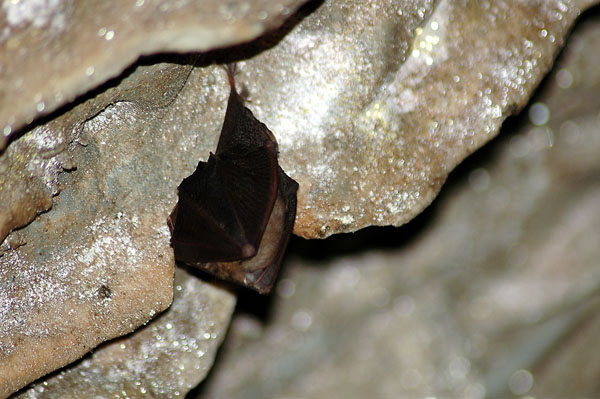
x,y
232,70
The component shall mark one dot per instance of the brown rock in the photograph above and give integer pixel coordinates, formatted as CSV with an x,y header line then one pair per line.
x,y
161,360
80,274
52,52
373,117
31,166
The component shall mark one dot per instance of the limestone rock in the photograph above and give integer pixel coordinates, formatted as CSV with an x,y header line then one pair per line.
x,y
31,166
161,360
53,51
409,97
82,269
99,264
373,116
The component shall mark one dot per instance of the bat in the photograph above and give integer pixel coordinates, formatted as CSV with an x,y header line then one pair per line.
x,y
236,212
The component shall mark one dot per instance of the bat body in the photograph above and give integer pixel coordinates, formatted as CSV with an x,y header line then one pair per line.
x,y
236,212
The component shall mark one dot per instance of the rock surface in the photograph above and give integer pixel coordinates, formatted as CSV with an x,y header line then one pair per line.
x,y
373,116
161,360
98,265
53,51
31,166
370,119
493,292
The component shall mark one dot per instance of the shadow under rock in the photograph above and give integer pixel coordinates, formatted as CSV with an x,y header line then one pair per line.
x,y
264,42
384,238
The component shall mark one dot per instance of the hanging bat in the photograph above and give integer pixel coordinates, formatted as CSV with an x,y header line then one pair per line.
x,y
236,212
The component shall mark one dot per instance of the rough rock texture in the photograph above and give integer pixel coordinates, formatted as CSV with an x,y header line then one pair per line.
x,y
30,166
373,103
53,51
163,359
493,292
408,111
91,269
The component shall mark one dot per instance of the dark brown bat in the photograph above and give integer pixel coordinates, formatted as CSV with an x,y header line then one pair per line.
x,y
236,212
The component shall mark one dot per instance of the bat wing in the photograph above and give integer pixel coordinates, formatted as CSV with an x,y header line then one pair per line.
x,y
260,272
224,207
202,219
250,185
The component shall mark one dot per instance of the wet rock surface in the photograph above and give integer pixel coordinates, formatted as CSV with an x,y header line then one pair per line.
x,y
370,119
53,51
374,125
164,359
82,274
31,166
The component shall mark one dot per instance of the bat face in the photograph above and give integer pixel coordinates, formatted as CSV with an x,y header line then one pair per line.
x,y
236,212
